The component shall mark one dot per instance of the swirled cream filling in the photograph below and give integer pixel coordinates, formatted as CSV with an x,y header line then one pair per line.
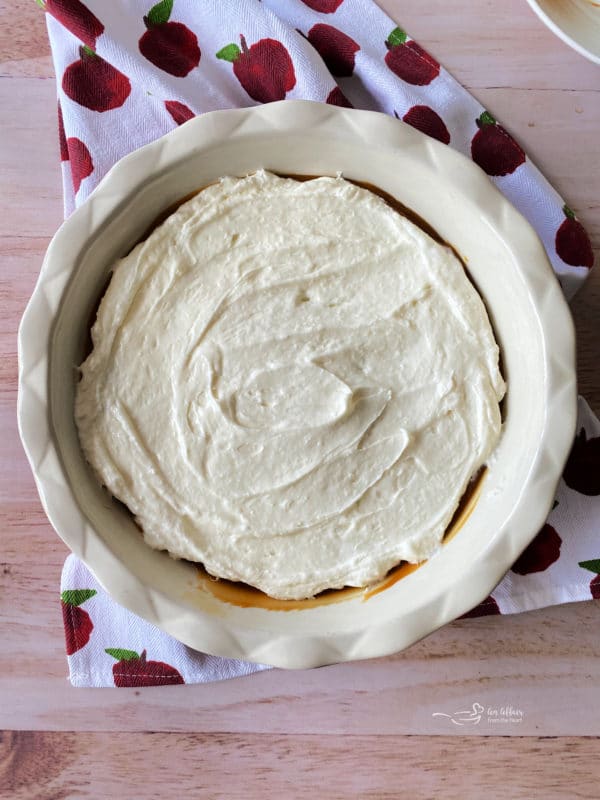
x,y
290,383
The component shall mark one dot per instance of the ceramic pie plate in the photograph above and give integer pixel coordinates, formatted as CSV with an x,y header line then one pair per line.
x,y
510,268
576,22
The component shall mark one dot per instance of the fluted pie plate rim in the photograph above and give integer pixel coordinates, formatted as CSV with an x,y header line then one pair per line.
x,y
576,22
510,268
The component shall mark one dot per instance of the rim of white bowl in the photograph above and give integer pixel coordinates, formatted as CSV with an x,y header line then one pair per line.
x,y
294,645
548,20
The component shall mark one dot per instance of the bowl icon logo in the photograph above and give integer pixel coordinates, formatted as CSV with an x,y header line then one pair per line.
x,y
472,717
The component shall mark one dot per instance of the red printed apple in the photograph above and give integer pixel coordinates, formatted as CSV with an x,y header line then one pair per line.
x,y
80,161
593,566
582,471
265,70
77,622
94,83
493,149
572,242
170,46
335,48
179,111
62,139
337,98
409,61
324,6
132,669
486,608
76,18
426,120
543,551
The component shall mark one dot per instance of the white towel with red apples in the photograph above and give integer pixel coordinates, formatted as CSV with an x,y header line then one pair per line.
x,y
128,72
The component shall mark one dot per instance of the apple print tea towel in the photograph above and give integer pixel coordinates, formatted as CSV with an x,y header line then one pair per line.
x,y
109,646
130,71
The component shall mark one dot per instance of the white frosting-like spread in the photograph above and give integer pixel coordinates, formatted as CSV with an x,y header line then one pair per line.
x,y
290,383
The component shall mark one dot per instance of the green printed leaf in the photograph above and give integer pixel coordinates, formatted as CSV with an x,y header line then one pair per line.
x,y
487,119
231,52
593,565
122,655
159,14
568,212
397,36
75,597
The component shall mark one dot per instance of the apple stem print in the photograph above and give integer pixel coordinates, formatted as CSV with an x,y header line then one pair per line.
x,y
265,70
594,566
92,82
409,61
170,46
493,149
77,622
76,18
572,242
132,669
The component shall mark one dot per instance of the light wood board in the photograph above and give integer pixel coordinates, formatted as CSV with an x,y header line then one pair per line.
x,y
337,731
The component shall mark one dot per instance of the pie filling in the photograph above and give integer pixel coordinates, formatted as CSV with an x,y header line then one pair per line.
x,y
290,383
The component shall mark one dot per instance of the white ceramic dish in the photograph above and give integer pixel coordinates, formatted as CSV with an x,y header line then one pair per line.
x,y
506,260
576,22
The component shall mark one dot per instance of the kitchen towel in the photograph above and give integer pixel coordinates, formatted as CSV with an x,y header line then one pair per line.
x,y
130,71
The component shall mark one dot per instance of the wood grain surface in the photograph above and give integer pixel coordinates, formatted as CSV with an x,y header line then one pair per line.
x,y
336,731
220,767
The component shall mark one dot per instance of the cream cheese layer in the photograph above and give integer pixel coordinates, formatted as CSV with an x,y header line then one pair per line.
x,y
291,383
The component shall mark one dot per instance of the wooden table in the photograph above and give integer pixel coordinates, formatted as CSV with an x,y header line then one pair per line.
x,y
337,731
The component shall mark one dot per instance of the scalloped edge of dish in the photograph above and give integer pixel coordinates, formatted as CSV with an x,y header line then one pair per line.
x,y
226,634
569,37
